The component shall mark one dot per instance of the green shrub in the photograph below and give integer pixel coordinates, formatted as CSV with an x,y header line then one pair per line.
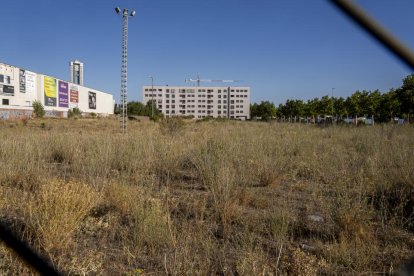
x,y
74,113
38,109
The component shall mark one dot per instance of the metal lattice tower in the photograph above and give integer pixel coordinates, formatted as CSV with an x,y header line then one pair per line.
x,y
124,75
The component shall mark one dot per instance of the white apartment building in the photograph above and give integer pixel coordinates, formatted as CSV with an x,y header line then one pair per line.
x,y
201,101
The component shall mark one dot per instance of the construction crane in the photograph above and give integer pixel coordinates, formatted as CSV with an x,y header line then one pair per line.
x,y
198,80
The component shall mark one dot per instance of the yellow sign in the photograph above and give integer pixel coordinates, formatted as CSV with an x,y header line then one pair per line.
x,y
50,87
50,91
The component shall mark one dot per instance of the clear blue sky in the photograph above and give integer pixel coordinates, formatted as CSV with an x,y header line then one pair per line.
x,y
281,48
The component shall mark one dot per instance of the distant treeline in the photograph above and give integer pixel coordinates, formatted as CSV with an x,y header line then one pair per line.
x,y
383,106
139,109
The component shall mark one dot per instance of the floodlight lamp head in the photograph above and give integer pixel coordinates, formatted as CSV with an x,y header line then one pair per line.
x,y
118,10
125,11
133,13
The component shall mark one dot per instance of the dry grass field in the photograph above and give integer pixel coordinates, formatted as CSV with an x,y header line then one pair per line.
x,y
208,198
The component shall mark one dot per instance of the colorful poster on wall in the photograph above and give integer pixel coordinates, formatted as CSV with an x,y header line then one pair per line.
x,y
63,94
74,96
31,83
50,91
22,81
6,90
92,100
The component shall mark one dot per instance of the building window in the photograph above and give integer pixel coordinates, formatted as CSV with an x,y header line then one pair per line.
x,y
167,111
168,90
159,90
5,101
225,102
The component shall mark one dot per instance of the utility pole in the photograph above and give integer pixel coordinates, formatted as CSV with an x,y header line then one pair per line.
x,y
124,79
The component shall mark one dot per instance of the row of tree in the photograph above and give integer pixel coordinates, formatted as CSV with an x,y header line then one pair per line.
x,y
383,106
139,109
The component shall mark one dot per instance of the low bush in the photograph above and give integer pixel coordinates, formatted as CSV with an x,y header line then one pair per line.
x,y
74,113
172,125
38,109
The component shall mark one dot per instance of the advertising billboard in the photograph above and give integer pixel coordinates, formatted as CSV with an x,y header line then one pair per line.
x,y
92,100
63,94
74,96
50,91
22,80
30,83
6,90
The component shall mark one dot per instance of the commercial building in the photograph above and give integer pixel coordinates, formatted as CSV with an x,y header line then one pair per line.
x,y
19,88
200,102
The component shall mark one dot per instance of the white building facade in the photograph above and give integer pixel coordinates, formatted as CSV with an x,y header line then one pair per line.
x,y
19,88
200,102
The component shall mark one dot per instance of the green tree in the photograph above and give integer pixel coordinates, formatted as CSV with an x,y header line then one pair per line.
x,y
352,104
405,96
324,106
339,107
136,108
38,109
266,110
389,106
253,110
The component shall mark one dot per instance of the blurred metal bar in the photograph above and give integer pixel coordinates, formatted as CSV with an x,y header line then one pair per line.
x,y
376,30
25,252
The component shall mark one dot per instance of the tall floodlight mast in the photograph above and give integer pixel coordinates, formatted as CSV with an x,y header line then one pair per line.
x,y
124,79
